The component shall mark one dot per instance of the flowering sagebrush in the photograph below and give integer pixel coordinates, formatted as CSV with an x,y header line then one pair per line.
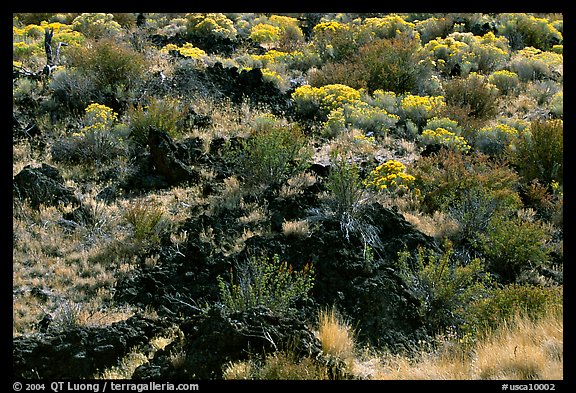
x,y
186,50
493,140
421,108
389,176
308,99
442,136
98,117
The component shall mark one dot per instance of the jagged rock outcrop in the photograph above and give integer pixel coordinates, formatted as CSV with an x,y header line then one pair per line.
x,y
82,352
212,340
43,185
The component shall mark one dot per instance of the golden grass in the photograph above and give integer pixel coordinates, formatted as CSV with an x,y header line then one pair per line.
x,y
521,350
296,228
335,334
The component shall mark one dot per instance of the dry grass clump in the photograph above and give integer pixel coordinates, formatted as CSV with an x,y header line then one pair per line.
x,y
438,225
296,228
336,335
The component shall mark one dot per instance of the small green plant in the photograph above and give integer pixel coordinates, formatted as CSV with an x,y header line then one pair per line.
x,y
344,184
148,221
539,153
265,281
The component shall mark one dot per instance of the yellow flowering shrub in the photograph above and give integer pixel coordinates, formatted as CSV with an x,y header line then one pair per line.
x,y
525,30
534,64
493,140
98,117
442,136
471,53
96,25
28,41
390,175
421,108
308,99
186,50
385,27
506,81
334,40
210,25
265,34
360,115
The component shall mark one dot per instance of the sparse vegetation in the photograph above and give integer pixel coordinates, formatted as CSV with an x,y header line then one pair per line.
x,y
288,196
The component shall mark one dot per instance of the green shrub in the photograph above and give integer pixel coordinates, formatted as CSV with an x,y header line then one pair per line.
x,y
273,153
512,245
468,98
148,221
96,25
502,305
265,281
165,114
433,27
539,151
534,64
445,177
385,64
445,287
556,105
73,90
344,184
524,30
390,65
114,68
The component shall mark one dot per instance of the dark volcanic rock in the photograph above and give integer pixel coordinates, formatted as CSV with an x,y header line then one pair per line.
x,y
83,351
43,185
164,155
217,338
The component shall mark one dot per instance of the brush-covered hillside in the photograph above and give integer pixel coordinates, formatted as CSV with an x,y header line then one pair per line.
x,y
287,196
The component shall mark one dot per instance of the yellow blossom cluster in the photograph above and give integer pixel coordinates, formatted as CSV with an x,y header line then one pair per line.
x,y
98,117
329,27
420,108
388,176
327,97
186,50
445,138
